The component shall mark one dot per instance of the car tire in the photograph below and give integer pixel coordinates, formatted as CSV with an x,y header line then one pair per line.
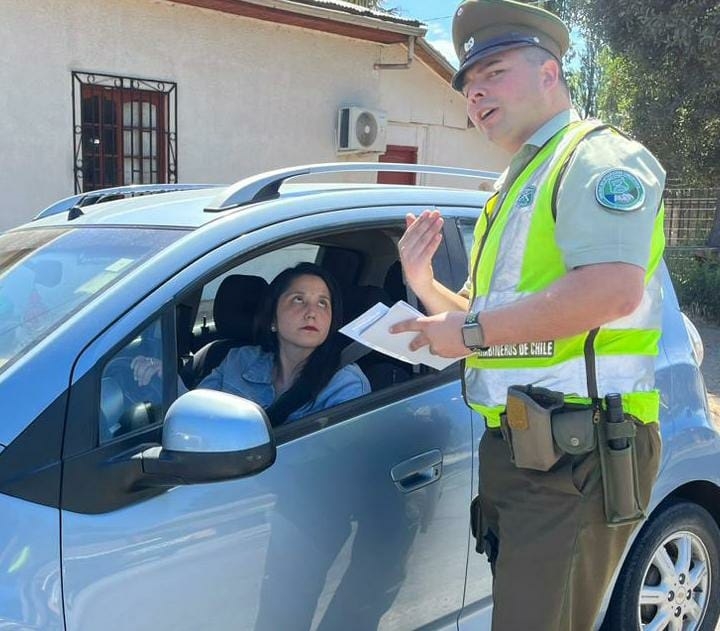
x,y
656,572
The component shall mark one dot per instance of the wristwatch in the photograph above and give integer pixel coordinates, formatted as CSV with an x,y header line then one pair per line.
x,y
472,333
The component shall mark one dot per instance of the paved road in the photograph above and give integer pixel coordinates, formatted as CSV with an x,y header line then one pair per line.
x,y
710,335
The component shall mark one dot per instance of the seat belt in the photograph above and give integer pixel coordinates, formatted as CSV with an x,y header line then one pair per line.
x,y
353,352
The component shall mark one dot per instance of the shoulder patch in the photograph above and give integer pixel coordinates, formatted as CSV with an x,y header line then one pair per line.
x,y
618,189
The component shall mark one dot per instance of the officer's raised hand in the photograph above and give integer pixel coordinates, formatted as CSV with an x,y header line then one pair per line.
x,y
423,235
418,245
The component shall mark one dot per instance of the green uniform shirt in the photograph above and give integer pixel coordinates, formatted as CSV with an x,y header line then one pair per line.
x,y
588,233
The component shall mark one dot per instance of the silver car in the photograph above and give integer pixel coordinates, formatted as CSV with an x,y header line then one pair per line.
x,y
124,507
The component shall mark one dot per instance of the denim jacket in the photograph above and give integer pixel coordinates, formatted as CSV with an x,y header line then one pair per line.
x,y
247,372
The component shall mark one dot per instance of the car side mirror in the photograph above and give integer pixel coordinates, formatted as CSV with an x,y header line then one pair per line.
x,y
210,436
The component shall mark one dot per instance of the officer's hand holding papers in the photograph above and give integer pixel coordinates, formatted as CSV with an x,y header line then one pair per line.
x,y
372,329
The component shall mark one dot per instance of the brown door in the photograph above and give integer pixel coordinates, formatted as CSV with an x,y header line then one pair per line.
x,y
122,134
397,153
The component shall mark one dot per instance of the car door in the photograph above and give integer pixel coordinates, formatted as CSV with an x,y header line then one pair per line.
x,y
477,605
360,523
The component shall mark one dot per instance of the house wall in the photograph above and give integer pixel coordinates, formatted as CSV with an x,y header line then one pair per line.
x,y
251,95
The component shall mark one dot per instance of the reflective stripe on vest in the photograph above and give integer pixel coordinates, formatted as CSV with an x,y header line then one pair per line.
x,y
514,255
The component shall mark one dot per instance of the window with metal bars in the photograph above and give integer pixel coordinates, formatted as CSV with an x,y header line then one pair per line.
x,y
125,131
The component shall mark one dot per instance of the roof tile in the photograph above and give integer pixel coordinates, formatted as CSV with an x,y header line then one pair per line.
x,y
358,9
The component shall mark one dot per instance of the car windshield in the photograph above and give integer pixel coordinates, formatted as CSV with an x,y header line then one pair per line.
x,y
48,274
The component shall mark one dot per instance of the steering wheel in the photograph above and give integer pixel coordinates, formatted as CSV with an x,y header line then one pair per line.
x,y
124,404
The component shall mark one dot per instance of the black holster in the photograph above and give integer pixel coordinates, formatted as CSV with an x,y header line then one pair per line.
x,y
476,524
620,473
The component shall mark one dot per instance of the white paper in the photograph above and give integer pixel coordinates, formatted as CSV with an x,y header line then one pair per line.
x,y
372,329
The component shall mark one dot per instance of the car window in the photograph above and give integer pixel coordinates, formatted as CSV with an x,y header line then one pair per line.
x,y
266,266
467,230
131,385
47,275
363,261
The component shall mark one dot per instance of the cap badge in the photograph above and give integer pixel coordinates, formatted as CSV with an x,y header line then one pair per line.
x,y
619,189
459,12
469,44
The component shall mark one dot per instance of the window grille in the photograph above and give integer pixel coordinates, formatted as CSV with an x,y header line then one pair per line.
x,y
124,131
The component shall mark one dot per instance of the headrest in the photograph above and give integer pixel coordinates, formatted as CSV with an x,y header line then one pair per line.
x,y
236,303
359,299
394,284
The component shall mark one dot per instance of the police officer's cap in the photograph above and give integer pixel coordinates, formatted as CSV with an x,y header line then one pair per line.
x,y
486,27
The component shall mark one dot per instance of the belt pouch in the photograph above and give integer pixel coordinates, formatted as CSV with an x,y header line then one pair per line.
x,y
476,524
619,467
574,430
529,425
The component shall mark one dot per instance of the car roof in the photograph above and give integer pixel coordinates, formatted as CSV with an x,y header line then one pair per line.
x,y
196,207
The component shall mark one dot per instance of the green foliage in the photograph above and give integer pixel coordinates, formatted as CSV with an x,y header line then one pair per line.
x,y
661,79
696,284
651,68
583,69
677,35
618,91
585,75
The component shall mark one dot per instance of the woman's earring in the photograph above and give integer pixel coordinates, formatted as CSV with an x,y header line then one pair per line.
x,y
273,328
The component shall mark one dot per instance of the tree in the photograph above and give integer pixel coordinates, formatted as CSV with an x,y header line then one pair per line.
x,y
585,75
582,67
661,77
651,68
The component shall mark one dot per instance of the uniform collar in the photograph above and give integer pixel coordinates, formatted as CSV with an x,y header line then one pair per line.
x,y
552,127
537,140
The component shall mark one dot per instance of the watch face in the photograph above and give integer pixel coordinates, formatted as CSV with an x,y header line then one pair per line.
x,y
472,336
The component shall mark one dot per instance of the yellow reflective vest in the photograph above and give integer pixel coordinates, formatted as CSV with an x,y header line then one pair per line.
x,y
514,255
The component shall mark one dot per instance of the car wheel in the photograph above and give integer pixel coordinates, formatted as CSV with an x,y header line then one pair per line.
x,y
671,577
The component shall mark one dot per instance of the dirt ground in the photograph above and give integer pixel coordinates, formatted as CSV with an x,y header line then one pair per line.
x,y
710,335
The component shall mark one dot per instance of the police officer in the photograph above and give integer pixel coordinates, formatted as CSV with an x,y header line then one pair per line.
x,y
563,294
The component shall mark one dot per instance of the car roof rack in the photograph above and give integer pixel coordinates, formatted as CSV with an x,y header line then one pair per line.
x,y
266,186
135,190
100,195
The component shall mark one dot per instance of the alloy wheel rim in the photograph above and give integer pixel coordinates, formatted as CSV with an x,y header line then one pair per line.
x,y
676,585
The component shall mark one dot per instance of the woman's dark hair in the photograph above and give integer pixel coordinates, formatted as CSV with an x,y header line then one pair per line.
x,y
324,361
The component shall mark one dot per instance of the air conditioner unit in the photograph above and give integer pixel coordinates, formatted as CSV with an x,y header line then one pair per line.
x,y
361,130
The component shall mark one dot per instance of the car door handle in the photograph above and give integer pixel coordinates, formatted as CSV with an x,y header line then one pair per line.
x,y
418,471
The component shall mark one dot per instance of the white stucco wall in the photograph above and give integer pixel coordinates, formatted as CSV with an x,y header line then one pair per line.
x,y
251,95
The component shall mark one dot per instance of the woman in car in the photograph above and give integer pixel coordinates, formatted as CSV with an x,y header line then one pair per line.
x,y
295,370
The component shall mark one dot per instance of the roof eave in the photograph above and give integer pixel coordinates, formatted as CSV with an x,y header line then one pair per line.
x,y
315,18
434,59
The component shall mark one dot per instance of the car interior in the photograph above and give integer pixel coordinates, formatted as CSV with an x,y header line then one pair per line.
x,y
223,313
220,314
